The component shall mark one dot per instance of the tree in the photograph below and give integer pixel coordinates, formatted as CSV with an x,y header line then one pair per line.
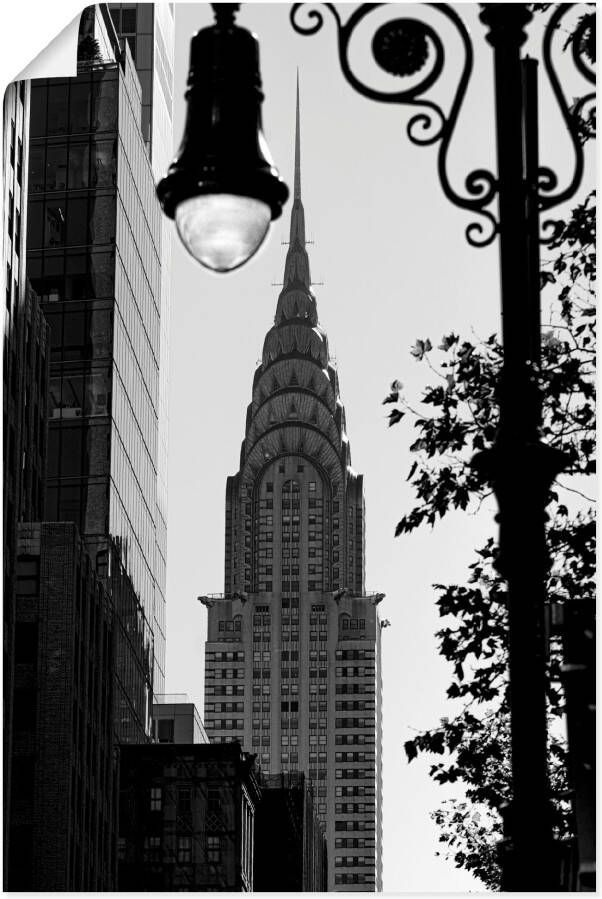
x,y
458,419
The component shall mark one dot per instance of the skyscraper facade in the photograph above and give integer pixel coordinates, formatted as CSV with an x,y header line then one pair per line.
x,y
24,383
293,651
95,254
149,30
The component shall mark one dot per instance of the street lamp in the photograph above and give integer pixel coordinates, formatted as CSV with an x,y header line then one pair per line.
x,y
520,467
222,188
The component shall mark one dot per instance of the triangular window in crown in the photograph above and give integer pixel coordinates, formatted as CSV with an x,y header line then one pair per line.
x,y
275,384
313,418
292,412
293,382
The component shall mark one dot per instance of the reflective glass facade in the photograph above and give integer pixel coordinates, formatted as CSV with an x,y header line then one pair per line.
x,y
149,31
94,251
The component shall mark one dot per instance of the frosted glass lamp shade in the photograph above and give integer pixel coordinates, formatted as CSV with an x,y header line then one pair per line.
x,y
221,230
222,188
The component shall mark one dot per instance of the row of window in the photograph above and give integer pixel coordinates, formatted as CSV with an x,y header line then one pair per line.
x,y
354,722
353,861
354,705
354,739
355,672
353,624
318,688
354,757
316,757
351,689
354,654
235,625
353,808
153,849
225,707
354,773
353,825
225,690
225,724
225,673
354,843
224,656
356,790
353,878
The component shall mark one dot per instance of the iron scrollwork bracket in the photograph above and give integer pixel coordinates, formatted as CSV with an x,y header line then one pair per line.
x,y
401,47
582,43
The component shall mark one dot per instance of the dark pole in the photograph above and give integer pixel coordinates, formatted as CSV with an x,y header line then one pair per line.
x,y
520,467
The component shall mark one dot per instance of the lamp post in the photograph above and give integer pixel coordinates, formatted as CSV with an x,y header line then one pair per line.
x,y
222,188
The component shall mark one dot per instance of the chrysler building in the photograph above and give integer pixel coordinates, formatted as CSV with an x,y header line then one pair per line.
x,y
292,664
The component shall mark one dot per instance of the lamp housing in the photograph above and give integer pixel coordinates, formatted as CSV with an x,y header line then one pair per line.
x,y
223,188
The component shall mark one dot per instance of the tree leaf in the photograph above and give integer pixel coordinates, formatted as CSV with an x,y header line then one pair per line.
x,y
395,416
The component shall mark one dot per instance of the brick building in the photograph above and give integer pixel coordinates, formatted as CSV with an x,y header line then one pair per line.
x,y
186,819
64,787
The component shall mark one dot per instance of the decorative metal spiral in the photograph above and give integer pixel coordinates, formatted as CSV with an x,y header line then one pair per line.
x,y
404,47
583,54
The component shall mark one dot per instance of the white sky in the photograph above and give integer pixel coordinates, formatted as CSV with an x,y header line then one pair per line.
x,y
391,252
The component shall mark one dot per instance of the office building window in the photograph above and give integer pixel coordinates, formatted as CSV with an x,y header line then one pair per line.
x,y
214,849
155,799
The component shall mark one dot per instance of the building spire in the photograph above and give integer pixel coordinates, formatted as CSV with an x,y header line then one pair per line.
x,y
296,269
297,195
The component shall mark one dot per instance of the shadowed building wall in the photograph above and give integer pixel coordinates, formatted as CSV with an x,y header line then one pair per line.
x,y
24,395
187,818
64,777
290,843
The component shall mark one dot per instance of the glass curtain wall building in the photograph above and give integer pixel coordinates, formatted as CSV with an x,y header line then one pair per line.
x,y
149,30
292,666
95,255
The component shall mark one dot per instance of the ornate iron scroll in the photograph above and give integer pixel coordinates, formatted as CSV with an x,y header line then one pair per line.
x,y
583,53
402,47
